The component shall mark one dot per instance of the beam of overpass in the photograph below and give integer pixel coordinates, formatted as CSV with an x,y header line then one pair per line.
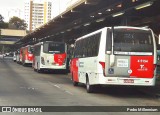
x,y
11,32
10,36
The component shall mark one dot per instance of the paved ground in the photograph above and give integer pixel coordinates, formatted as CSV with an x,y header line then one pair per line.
x,y
21,86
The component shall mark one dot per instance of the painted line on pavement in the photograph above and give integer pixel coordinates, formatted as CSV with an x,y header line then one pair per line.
x,y
59,87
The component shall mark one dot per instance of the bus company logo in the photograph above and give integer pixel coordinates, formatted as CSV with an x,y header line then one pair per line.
x,y
142,68
110,71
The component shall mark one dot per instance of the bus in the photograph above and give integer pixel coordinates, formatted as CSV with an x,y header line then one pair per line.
x,y
50,55
158,63
17,56
20,55
14,56
158,55
27,55
119,55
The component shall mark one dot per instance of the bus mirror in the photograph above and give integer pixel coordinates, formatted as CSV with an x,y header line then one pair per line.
x,y
108,52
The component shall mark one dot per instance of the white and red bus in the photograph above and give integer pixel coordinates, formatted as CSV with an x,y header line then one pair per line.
x,y
115,56
27,55
50,55
18,56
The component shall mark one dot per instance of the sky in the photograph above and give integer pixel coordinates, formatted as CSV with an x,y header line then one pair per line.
x,y
11,3
6,5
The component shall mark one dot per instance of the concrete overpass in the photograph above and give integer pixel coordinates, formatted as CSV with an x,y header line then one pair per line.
x,y
8,37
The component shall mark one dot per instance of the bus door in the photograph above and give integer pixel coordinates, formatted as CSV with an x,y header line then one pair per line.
x,y
130,54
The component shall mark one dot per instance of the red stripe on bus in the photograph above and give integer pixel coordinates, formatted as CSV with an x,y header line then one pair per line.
x,y
74,69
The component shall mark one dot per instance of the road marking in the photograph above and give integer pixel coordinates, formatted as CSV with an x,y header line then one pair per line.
x,y
61,88
29,88
68,92
57,86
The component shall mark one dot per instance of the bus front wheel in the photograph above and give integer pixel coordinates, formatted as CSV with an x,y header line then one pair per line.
x,y
38,69
24,64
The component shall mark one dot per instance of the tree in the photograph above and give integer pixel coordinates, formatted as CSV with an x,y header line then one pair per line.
x,y
2,23
17,23
1,18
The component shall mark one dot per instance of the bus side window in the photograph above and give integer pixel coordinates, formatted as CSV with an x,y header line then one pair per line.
x,y
80,49
98,37
95,44
77,52
85,48
89,48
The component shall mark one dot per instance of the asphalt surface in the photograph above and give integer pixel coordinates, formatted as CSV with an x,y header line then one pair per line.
x,y
21,86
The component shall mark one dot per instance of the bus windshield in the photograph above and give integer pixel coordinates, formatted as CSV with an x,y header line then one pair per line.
x,y
54,47
133,40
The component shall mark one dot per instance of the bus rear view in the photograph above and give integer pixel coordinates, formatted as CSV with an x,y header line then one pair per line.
x,y
130,59
27,55
115,56
50,55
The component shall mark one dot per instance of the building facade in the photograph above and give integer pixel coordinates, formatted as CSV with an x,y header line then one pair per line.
x,y
37,13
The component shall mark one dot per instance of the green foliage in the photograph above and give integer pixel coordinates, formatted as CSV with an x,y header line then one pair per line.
x,y
17,23
1,18
2,23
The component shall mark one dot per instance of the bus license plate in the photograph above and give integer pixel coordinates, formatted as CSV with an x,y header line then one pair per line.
x,y
128,80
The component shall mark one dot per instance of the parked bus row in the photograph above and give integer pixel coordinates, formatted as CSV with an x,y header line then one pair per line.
x,y
109,56
44,56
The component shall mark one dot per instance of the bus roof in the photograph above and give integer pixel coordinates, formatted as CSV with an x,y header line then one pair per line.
x,y
116,27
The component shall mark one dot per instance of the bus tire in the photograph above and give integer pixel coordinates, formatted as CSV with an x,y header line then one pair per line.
x,y
35,69
38,69
89,87
74,82
23,64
